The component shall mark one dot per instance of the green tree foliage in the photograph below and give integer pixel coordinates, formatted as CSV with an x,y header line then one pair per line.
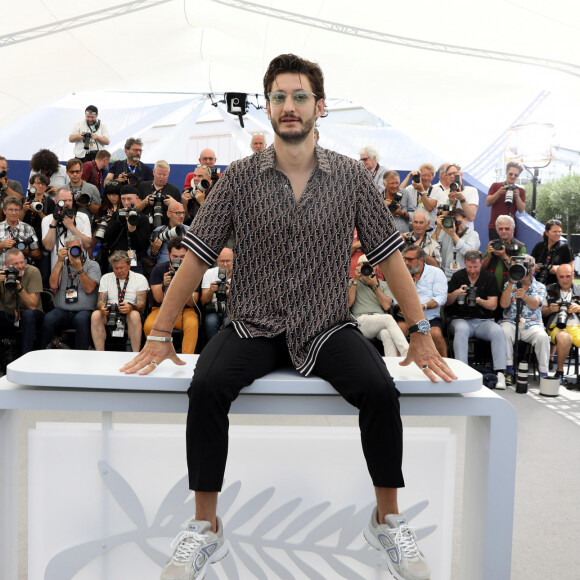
x,y
557,198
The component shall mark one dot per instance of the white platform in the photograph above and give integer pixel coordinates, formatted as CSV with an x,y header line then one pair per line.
x,y
490,440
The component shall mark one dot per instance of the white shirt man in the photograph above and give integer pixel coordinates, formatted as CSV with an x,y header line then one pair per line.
x,y
370,157
464,197
99,135
54,232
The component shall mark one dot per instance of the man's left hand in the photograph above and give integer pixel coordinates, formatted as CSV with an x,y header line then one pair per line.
x,y
422,352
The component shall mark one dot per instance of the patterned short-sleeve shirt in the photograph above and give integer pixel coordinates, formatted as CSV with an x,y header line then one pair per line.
x,y
291,265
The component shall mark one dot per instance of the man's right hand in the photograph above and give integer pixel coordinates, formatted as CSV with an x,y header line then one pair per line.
x,y
7,243
152,351
62,254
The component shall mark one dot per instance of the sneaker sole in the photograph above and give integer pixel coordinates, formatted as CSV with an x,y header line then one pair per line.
x,y
500,387
374,542
215,557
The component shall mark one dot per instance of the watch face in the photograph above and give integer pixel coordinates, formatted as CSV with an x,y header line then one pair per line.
x,y
423,326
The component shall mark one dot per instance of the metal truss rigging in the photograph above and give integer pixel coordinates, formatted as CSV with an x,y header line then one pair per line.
x,y
78,21
287,16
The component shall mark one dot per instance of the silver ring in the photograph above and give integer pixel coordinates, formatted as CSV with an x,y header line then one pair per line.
x,y
153,363
424,367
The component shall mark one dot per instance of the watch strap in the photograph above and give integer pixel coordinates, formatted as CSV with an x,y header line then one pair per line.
x,y
160,338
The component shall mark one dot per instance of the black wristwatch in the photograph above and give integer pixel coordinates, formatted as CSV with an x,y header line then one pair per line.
x,y
422,326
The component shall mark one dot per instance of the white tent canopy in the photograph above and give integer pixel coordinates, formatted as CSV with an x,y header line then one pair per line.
x,y
451,76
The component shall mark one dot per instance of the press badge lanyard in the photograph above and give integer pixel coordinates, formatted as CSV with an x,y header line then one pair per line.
x,y
121,293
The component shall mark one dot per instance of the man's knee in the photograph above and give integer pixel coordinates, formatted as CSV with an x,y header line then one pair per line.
x,y
563,338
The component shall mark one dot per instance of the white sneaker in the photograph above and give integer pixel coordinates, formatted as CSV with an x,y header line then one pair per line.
x,y
500,382
398,541
195,549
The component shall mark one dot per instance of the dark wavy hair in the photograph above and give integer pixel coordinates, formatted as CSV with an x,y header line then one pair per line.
x,y
44,161
294,64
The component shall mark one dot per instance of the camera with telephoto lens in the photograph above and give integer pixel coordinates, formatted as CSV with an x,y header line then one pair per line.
x,y
203,185
543,273
562,315
417,178
115,320
86,140
60,212
221,295
367,270
469,298
448,221
410,239
156,215
22,243
511,248
132,179
75,251
82,198
175,263
34,205
509,194
101,229
396,201
519,268
3,174
215,175
12,274
456,184
131,215
443,208
166,235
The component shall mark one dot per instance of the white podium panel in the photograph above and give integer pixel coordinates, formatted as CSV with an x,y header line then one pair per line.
x,y
295,501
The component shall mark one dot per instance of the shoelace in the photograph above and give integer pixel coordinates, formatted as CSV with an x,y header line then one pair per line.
x,y
405,538
186,543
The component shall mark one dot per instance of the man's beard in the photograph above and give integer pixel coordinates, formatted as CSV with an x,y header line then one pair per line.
x,y
414,270
298,137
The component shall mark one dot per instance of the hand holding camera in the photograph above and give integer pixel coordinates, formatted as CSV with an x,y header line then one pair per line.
x,y
7,243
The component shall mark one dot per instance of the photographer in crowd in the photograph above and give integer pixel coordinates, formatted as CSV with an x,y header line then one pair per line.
x,y
472,298
505,197
370,158
215,289
456,240
461,196
498,253
161,236
431,288
551,253
64,221
156,195
421,185
401,203
127,230
160,280
20,304
74,281
8,187
418,237
17,234
130,171
94,171
89,135
369,300
122,300
531,327
46,162
36,207
86,196
258,142
194,196
562,310
207,158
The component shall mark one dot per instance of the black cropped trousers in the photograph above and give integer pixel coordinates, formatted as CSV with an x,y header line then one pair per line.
x,y
347,360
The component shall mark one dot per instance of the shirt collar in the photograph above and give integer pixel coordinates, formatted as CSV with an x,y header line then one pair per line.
x,y
268,160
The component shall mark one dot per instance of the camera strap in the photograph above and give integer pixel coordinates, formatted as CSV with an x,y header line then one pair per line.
x,y
121,293
72,278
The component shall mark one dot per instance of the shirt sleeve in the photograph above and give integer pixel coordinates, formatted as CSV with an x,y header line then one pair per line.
x,y
439,287
468,242
213,223
374,223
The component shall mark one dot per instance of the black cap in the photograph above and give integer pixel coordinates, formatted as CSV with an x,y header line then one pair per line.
x,y
92,109
126,189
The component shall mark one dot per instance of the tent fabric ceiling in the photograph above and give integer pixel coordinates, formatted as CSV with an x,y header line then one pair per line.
x,y
430,70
